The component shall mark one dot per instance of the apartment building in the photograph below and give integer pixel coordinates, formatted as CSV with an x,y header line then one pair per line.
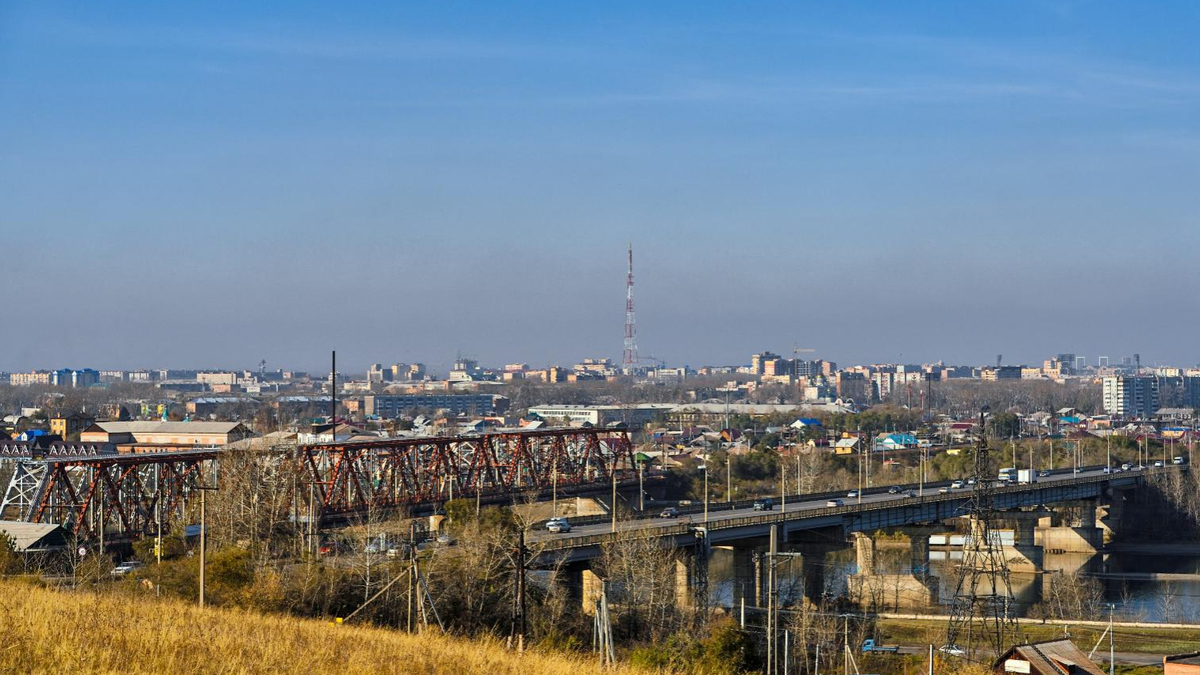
x,y
1130,396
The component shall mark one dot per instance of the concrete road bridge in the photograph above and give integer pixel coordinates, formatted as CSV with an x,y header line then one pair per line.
x,y
1061,512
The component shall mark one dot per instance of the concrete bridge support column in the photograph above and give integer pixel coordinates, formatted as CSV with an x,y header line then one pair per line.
x,y
812,566
1026,556
864,548
591,587
1087,514
684,590
1113,512
918,538
691,578
745,575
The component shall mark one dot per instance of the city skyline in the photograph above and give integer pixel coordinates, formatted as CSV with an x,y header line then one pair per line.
x,y
440,369
219,186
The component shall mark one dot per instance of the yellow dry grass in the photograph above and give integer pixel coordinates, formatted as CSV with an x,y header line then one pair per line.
x,y
49,631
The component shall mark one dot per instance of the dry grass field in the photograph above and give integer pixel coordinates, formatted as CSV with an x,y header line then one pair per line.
x,y
49,631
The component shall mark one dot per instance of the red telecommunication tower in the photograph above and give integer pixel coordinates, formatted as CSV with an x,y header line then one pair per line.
x,y
629,360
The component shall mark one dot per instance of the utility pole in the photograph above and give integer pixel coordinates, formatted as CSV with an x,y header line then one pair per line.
x,y
772,617
312,514
846,644
103,517
203,536
704,468
861,455
782,486
614,495
520,599
1111,648
641,488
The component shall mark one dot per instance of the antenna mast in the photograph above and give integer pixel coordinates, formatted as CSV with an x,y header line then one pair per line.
x,y
629,360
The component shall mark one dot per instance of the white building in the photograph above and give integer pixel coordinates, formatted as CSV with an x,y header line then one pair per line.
x,y
1130,396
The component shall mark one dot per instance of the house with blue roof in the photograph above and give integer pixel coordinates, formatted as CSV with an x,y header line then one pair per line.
x,y
898,442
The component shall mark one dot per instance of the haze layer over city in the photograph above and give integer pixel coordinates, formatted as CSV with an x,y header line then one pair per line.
x,y
670,338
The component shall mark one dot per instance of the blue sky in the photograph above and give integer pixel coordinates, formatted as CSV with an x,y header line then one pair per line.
x,y
214,184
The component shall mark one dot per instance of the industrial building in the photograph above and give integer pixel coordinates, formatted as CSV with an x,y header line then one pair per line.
x,y
165,433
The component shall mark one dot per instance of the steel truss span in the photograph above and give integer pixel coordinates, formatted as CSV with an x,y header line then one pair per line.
x,y
126,496
354,478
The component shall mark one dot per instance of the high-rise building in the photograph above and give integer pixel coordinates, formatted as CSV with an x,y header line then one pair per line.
x,y
377,374
67,377
758,362
1130,396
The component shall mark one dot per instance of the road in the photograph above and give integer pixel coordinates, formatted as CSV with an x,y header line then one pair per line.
x,y
874,496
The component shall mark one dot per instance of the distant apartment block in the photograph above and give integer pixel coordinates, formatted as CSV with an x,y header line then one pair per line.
x,y
377,374
389,406
66,377
214,379
30,378
1130,396
1001,373
758,362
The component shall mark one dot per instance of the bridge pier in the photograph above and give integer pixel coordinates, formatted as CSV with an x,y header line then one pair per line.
x,y
918,537
591,588
912,589
1082,538
746,578
691,577
864,552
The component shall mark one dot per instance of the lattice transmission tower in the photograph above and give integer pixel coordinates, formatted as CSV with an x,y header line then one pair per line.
x,y
983,610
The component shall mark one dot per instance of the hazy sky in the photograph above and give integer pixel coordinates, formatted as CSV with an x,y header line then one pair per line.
x,y
220,183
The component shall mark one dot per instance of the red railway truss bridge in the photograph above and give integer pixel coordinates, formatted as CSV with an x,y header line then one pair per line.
x,y
129,495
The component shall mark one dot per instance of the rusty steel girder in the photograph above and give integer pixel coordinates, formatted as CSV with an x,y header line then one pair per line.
x,y
123,495
358,477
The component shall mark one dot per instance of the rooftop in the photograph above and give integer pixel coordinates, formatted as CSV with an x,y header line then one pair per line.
x,y
168,427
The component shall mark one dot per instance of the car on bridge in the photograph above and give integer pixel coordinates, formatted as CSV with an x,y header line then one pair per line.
x,y
764,504
1043,473
894,490
669,512
957,485
852,494
1158,464
558,526
834,502
1126,466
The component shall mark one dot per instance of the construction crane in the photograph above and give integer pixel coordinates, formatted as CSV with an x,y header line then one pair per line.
x,y
797,349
